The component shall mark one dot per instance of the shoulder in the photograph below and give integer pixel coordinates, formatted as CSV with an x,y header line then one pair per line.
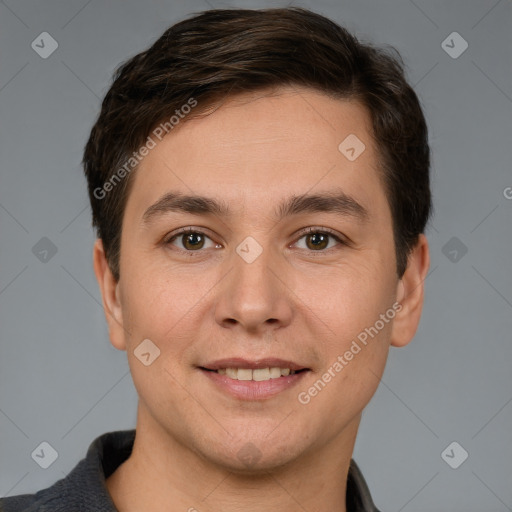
x,y
45,500
84,487
358,497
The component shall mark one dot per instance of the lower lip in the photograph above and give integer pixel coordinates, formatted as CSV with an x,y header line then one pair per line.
x,y
252,389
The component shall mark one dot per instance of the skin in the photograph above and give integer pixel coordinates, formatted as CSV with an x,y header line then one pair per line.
x,y
294,302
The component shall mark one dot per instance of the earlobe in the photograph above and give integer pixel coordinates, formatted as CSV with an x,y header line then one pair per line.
x,y
410,292
109,288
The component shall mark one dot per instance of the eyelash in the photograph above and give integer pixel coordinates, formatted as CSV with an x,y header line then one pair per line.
x,y
307,231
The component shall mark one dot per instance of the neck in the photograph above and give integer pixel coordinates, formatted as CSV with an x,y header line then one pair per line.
x,y
164,475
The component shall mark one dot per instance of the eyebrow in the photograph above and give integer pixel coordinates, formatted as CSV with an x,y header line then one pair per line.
x,y
332,202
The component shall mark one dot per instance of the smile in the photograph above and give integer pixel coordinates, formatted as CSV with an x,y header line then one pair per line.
x,y
253,380
259,374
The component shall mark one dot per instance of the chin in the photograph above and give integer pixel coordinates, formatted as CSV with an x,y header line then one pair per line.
x,y
260,455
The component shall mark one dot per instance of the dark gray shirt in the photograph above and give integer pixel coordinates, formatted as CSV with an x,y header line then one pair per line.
x,y
84,488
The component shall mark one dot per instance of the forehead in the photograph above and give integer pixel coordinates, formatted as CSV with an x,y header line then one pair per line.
x,y
261,145
287,124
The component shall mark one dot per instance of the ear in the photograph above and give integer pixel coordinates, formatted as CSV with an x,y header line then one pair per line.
x,y
410,294
110,293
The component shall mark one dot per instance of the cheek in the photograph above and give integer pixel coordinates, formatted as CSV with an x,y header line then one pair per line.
x,y
157,298
168,307
354,347
345,300
349,379
158,315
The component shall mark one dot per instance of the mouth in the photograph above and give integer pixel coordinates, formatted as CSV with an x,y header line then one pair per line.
x,y
258,374
254,380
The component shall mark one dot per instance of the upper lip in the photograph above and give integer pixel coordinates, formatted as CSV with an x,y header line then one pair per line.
x,y
239,362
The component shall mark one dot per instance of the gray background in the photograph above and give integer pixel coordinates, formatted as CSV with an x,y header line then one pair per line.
x,y
62,382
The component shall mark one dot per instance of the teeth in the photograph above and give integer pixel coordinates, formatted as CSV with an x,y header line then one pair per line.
x,y
275,373
244,374
258,375
232,373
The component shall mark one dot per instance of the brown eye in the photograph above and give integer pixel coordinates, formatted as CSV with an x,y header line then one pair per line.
x,y
190,240
317,241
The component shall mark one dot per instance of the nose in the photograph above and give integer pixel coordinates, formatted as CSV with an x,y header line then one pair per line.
x,y
255,296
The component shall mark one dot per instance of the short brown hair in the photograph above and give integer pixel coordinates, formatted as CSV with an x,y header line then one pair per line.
x,y
223,52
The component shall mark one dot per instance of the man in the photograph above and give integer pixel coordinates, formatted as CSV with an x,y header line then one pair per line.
x,y
259,182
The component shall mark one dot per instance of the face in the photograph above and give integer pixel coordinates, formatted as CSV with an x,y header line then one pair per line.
x,y
265,283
